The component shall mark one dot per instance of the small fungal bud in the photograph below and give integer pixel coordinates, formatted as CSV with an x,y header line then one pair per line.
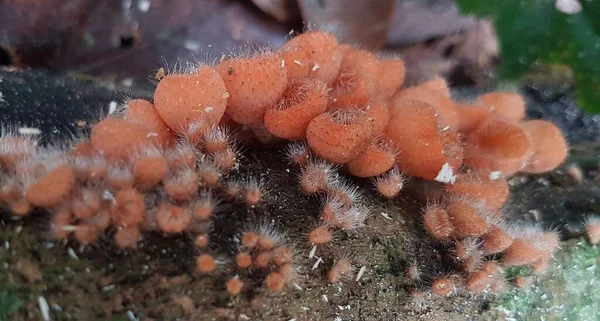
x,y
149,171
226,160
253,192
266,242
339,135
233,190
467,220
199,96
303,100
520,252
521,282
243,260
592,229
215,139
413,272
442,286
90,169
315,176
297,153
60,219
332,209
483,279
20,207
495,241
85,204
438,223
250,240
201,240
234,286
575,172
52,188
352,218
86,233
208,173
540,266
467,248
181,185
172,219
203,207
341,269
127,238
102,219
274,282
253,84
320,235
128,208
206,263
375,160
263,259
344,191
182,156
120,177
282,255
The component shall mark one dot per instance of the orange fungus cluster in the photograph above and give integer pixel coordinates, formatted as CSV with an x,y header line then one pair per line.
x,y
160,165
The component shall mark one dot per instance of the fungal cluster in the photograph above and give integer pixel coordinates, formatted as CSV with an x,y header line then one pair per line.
x,y
164,165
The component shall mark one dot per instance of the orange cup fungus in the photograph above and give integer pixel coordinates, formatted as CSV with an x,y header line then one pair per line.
x,y
143,113
183,99
510,106
376,159
549,148
424,146
339,135
253,84
498,145
143,170
314,54
302,101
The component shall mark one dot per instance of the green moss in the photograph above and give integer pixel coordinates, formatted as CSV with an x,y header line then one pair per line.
x,y
570,290
9,303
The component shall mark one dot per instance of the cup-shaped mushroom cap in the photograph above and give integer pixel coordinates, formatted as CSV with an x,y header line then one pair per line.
x,y
303,100
493,193
313,54
549,148
506,105
182,99
355,83
377,159
253,84
433,96
497,145
143,113
470,117
389,77
424,146
379,111
339,135
118,139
